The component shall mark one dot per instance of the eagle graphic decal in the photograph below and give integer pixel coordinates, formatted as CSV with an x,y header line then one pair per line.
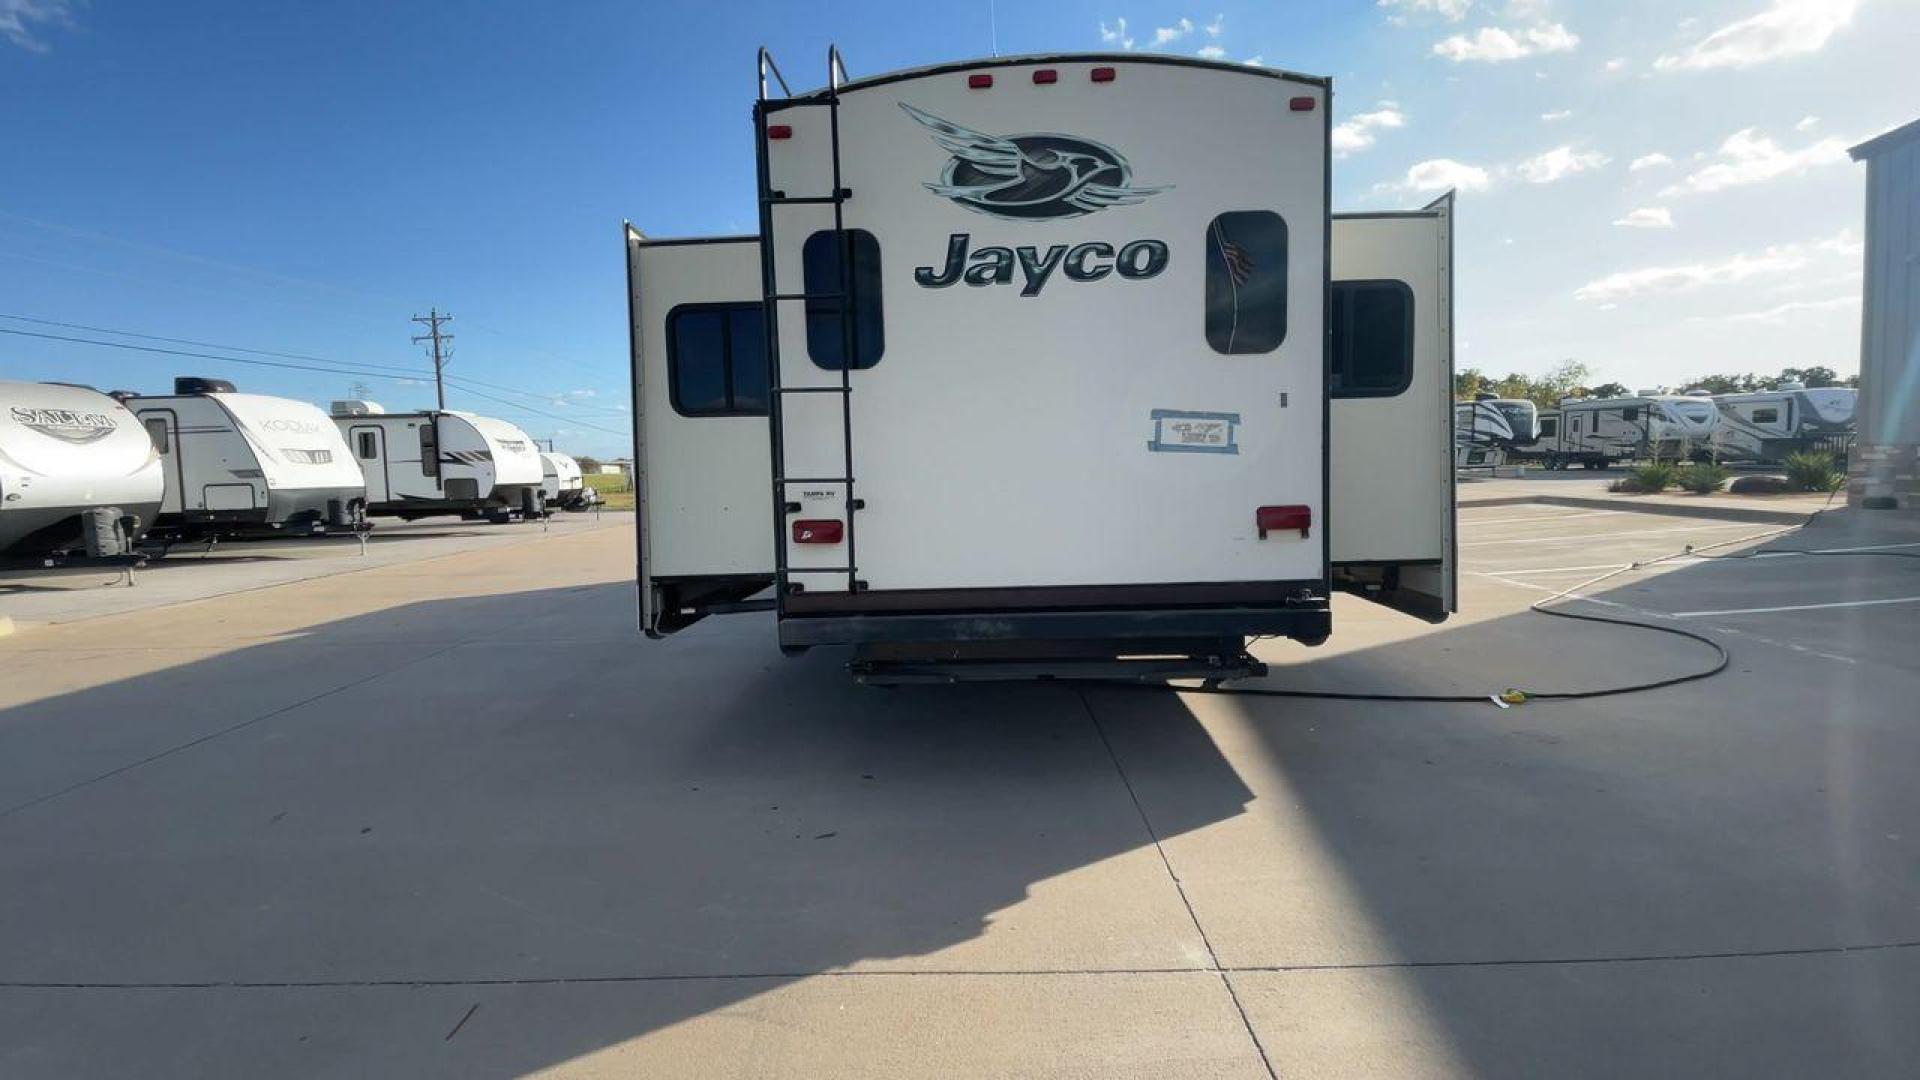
x,y
1034,177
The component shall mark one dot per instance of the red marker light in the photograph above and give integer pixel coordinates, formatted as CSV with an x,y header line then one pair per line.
x,y
1045,76
1282,518
818,531
1102,74
780,131
980,81
1301,104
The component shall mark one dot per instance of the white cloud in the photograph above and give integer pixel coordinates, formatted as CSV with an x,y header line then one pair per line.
x,y
1255,61
1778,259
1788,28
1647,217
1116,34
1210,52
1616,63
1438,174
1357,134
1164,34
20,19
1218,24
1649,161
1493,45
1747,157
1807,123
1450,10
1556,115
580,395
1780,312
1558,164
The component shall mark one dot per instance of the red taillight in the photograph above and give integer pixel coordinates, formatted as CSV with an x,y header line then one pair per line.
x,y
980,81
818,531
780,131
1301,104
1046,75
1277,518
1102,74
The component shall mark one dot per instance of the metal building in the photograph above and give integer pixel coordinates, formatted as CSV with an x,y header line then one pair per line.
x,y
1886,463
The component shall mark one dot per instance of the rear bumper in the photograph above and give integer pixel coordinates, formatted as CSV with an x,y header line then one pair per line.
x,y
1307,621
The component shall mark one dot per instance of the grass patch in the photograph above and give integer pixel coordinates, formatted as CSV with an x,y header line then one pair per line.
x,y
1702,477
1814,470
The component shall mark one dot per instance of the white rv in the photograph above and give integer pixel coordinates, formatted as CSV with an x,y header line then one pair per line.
x,y
78,474
1482,434
1025,372
1768,425
562,484
241,465
1595,433
436,462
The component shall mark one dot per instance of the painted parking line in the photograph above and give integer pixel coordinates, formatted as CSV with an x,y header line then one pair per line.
x,y
1604,537
1541,517
1795,607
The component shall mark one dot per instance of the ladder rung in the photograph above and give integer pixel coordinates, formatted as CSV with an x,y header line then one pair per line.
x,y
813,389
809,296
814,480
781,198
820,569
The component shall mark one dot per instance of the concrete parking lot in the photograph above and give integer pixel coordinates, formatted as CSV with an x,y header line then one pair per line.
x,y
453,816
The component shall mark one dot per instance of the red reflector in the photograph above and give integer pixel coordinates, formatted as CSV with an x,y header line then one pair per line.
x,y
818,531
1301,104
1276,518
1102,74
1046,75
980,81
779,131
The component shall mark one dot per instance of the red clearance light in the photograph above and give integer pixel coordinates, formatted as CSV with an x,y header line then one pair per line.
x,y
1102,74
1046,75
1301,104
780,131
1277,518
818,531
980,81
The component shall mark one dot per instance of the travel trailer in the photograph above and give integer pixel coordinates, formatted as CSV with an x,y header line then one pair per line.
x,y
247,465
562,485
78,475
424,464
1482,433
1596,433
1026,374
1768,425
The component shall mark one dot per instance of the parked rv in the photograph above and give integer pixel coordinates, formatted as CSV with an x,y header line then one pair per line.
x,y
562,484
78,475
1024,375
1768,425
1599,432
1482,433
424,464
247,465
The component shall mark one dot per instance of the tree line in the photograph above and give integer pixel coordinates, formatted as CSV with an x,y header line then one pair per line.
x,y
1570,378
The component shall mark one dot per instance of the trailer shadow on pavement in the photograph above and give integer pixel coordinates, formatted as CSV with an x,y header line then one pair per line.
x,y
486,835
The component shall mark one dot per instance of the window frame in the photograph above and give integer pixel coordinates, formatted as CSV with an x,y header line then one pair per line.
x,y
163,440
726,309
1406,381
829,308
1286,298
1766,414
365,441
430,447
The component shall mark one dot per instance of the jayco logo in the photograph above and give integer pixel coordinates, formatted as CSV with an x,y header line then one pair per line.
x,y
1082,262
1036,177
64,424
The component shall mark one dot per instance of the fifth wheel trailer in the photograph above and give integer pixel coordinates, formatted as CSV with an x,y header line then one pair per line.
x,y
248,465
1109,442
436,462
78,475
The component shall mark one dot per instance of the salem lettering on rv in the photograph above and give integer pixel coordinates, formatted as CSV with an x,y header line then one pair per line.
x,y
64,424
1091,261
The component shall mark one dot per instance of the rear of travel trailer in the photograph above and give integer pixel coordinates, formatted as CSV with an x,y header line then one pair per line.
x,y
78,475
1025,372
1481,433
562,485
1768,425
431,463
241,465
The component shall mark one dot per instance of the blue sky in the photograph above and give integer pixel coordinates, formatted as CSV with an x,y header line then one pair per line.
x,y
1656,189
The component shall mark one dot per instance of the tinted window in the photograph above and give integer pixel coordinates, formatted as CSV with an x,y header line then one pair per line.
x,y
1246,294
157,431
1766,416
1630,414
826,330
429,449
717,360
1372,338
1549,425
369,445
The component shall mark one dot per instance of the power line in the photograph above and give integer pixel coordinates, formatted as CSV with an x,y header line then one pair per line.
x,y
209,356
537,412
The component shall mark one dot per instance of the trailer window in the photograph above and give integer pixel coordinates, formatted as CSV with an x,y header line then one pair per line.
x,y
820,265
1549,426
1630,414
369,445
429,449
717,360
1246,295
1766,416
1372,338
157,431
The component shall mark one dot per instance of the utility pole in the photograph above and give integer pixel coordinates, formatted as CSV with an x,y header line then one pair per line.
x,y
441,350
359,391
